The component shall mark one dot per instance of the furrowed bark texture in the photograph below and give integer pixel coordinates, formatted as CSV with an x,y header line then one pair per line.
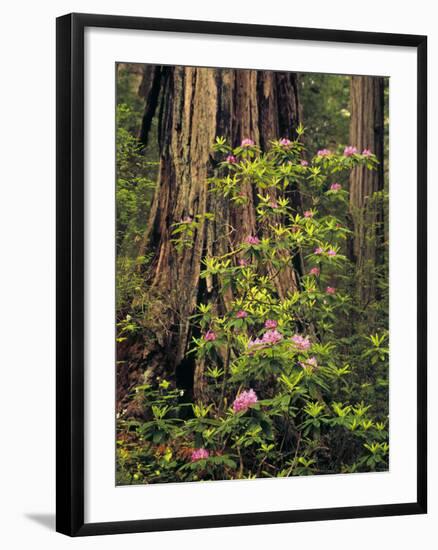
x,y
149,89
198,104
366,132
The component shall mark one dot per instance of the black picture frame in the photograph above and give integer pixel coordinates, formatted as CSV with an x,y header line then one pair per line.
x,y
70,273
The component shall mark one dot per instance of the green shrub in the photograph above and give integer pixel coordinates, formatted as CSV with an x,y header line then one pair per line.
x,y
295,383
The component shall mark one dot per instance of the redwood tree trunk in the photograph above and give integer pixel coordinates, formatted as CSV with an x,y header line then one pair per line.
x,y
366,132
198,104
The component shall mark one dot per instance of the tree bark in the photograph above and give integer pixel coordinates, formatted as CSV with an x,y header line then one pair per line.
x,y
198,104
366,132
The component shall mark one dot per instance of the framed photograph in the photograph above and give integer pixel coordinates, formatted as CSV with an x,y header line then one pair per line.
x,y
241,274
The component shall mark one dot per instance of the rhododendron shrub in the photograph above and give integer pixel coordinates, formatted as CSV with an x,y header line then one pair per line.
x,y
291,383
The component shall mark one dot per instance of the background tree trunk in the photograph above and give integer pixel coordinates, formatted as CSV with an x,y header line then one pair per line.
x,y
196,105
366,132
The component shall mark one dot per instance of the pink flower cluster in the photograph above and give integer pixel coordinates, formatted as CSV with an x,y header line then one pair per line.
x,y
335,187
273,204
247,142
301,343
272,337
310,363
308,214
231,159
257,343
330,251
304,163
243,262
366,153
271,323
252,240
210,336
315,271
349,151
199,454
241,314
284,142
330,290
324,153
244,400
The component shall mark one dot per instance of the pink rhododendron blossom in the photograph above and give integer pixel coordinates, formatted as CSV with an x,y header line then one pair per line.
x,y
244,400
247,142
335,187
324,153
301,343
284,142
310,363
270,323
210,336
257,343
330,290
350,150
331,252
366,153
243,262
231,159
241,314
304,163
199,454
272,337
273,204
318,250
252,240
308,214
315,271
